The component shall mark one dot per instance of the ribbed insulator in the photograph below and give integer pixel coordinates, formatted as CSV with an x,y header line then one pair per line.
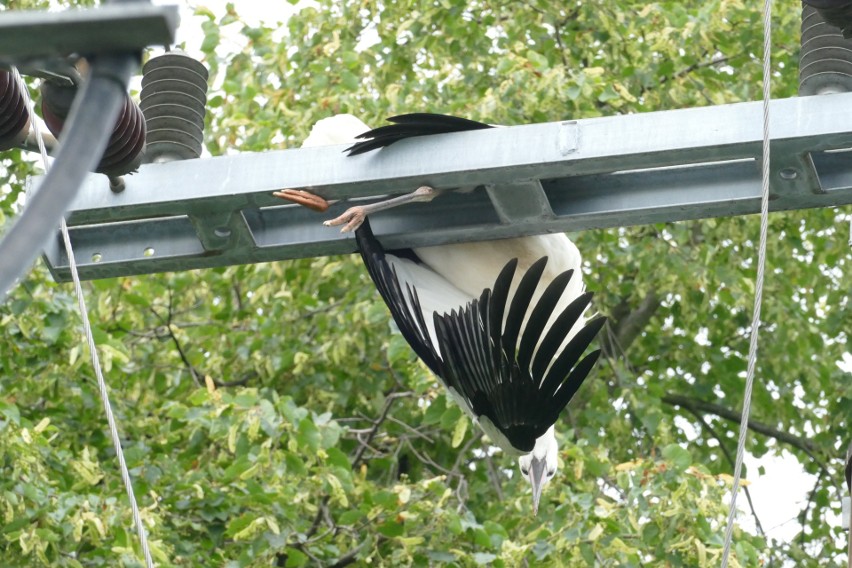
x,y
825,60
14,116
837,13
174,95
126,146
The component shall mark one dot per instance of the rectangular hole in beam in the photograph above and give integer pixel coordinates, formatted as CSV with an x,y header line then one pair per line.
x,y
834,168
719,186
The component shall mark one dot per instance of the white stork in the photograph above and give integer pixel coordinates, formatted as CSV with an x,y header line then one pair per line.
x,y
506,343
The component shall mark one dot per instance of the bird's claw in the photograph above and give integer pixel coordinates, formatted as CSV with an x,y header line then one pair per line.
x,y
352,217
303,198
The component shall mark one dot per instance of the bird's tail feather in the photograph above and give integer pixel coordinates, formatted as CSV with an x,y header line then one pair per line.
x,y
409,126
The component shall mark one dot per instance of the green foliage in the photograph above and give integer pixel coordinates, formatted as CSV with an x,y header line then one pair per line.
x,y
270,417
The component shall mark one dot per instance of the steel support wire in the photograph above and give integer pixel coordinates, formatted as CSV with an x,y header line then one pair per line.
x,y
87,132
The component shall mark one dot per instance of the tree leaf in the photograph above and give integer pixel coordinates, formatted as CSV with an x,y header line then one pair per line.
x,y
459,431
678,456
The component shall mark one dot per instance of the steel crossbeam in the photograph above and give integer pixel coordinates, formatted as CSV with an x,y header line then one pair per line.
x,y
27,35
561,176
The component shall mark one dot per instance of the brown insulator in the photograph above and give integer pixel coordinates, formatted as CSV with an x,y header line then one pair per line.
x,y
126,146
14,115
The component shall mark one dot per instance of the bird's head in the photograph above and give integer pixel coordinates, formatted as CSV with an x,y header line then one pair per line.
x,y
539,466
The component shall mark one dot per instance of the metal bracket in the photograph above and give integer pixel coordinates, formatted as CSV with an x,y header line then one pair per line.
x,y
112,28
564,176
223,229
520,202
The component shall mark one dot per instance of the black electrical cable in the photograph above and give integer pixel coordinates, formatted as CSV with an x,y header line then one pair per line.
x,y
87,132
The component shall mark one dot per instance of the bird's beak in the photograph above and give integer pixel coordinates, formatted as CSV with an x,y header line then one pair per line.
x,y
537,475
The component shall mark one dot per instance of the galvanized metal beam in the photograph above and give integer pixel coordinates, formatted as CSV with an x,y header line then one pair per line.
x,y
561,176
110,28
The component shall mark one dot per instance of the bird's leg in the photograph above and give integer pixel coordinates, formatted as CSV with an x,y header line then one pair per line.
x,y
304,198
354,216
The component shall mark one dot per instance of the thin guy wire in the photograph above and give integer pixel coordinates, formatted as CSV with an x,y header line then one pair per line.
x,y
90,339
758,291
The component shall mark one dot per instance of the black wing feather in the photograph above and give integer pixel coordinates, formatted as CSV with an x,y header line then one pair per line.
x,y
486,362
497,303
540,315
450,123
409,126
511,398
520,303
570,355
571,385
409,321
558,331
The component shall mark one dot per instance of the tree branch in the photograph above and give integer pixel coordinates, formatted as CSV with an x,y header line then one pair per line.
x,y
460,457
167,325
322,510
315,523
803,516
197,376
236,382
494,477
626,324
346,559
377,423
351,556
694,405
706,425
427,460
685,71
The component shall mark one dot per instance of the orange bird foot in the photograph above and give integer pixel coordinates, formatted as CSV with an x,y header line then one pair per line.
x,y
304,198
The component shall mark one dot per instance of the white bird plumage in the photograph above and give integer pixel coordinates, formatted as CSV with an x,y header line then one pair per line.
x,y
449,277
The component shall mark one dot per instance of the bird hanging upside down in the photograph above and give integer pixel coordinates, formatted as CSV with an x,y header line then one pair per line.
x,y
501,322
